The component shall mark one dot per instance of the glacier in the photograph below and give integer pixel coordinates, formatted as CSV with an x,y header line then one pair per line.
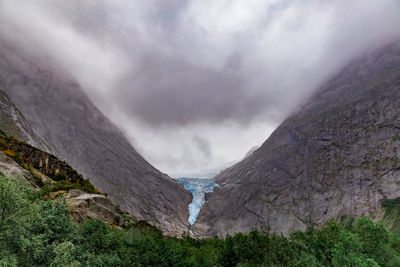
x,y
198,187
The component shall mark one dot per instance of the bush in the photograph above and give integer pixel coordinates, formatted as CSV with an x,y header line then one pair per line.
x,y
390,205
60,176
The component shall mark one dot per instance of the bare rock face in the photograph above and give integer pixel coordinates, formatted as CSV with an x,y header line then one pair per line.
x,y
14,123
338,155
64,117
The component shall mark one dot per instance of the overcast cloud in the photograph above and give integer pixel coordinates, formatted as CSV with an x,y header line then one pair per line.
x,y
197,83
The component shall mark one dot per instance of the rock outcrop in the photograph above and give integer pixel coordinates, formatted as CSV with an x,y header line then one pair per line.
x,y
86,206
10,168
338,155
46,163
64,117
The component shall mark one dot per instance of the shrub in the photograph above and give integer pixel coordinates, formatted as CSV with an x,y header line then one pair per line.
x,y
60,176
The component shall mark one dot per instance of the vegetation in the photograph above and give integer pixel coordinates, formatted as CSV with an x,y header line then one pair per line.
x,y
65,185
392,214
38,232
396,138
390,205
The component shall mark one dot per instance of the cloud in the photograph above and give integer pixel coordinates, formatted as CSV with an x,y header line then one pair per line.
x,y
197,68
203,145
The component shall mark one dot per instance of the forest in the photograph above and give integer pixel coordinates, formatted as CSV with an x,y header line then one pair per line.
x,y
35,231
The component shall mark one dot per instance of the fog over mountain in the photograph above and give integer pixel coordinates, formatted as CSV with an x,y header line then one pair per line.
x,y
197,83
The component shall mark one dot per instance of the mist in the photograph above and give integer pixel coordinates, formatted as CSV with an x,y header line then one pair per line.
x,y
197,83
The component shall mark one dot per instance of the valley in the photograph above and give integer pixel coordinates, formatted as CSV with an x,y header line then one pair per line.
x,y
199,133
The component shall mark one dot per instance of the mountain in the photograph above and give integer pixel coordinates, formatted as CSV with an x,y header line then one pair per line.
x,y
337,156
62,115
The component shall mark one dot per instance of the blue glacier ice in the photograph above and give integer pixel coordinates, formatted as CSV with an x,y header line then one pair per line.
x,y
198,188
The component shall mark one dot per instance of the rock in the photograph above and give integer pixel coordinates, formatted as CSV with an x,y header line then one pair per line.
x,y
93,206
10,168
337,155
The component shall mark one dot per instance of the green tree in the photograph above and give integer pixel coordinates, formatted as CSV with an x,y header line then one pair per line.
x,y
14,197
64,255
348,252
228,255
94,235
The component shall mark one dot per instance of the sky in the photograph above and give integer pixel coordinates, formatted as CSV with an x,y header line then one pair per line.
x,y
195,84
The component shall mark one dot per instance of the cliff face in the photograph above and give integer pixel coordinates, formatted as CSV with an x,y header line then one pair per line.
x,y
338,155
61,114
13,123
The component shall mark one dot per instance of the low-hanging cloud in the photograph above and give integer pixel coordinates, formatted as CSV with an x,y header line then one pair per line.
x,y
201,69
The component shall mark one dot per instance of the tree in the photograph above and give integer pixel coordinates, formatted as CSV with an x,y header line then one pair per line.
x,y
14,197
228,256
64,255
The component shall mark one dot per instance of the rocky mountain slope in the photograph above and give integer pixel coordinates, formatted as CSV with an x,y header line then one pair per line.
x,y
13,123
338,155
62,115
55,178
